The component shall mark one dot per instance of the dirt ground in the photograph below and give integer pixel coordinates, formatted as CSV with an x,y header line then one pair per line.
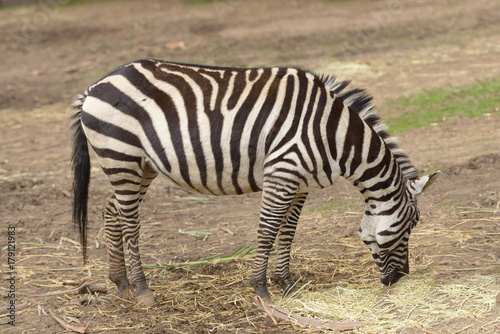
x,y
391,47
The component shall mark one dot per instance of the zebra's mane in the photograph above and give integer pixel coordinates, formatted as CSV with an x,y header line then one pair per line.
x,y
360,102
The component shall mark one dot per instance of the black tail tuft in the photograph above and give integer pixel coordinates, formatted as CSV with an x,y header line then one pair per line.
x,y
80,160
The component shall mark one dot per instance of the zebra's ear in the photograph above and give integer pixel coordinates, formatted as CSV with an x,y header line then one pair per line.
x,y
419,185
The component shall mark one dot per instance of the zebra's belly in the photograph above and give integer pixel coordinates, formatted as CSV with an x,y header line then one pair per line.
x,y
212,190
205,176
229,180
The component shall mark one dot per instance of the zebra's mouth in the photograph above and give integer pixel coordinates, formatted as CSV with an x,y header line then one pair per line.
x,y
393,275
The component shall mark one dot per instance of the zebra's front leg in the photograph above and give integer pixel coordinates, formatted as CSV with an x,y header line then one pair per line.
x,y
276,199
114,241
284,244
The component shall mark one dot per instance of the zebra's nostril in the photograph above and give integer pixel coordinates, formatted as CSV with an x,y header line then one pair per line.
x,y
385,279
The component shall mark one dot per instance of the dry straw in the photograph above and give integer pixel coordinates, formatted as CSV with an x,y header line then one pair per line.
x,y
213,292
414,302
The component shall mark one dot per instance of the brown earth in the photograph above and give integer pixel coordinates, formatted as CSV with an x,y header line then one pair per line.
x,y
393,48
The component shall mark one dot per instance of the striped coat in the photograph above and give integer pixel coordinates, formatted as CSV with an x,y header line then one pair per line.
x,y
213,130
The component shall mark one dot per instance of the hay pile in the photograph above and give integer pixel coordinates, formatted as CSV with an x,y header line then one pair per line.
x,y
420,300
414,302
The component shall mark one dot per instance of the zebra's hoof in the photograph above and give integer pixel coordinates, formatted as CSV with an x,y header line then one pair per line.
x,y
146,299
126,293
262,292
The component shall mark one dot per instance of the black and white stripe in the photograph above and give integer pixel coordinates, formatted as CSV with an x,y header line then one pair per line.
x,y
214,130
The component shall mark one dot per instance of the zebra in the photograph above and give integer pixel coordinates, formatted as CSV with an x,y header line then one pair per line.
x,y
224,131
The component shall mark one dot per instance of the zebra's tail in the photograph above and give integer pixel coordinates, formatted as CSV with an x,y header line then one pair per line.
x,y
80,161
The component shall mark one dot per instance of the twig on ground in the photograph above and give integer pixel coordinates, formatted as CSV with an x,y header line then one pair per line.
x,y
78,288
67,326
286,315
5,310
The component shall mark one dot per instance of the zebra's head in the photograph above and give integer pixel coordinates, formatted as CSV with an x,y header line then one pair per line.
x,y
386,228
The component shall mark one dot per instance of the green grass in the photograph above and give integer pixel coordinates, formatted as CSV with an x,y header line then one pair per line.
x,y
337,205
242,252
441,104
202,2
450,203
82,2
59,4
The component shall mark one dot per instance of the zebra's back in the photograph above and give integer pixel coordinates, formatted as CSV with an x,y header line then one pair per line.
x,y
208,129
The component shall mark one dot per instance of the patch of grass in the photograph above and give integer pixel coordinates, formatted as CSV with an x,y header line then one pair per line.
x,y
104,46
441,104
430,169
83,2
67,3
202,2
128,44
449,203
240,253
334,204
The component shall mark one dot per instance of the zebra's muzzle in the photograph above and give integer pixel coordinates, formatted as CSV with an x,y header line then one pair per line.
x,y
393,275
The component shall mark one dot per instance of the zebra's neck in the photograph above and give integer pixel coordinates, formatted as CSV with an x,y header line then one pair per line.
x,y
384,186
363,157
379,183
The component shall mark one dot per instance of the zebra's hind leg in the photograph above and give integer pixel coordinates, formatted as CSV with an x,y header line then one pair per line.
x,y
285,239
130,186
131,228
114,240
278,194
